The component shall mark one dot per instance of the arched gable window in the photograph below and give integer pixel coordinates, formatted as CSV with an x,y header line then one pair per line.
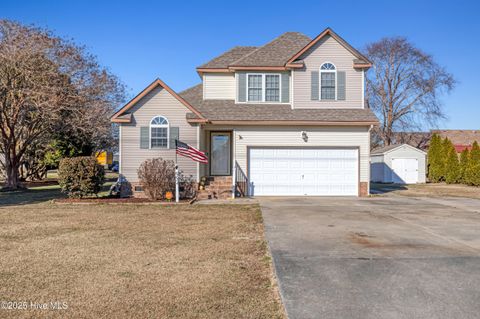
x,y
328,81
159,132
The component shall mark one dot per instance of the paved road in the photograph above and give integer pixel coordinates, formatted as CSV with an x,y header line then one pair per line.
x,y
381,257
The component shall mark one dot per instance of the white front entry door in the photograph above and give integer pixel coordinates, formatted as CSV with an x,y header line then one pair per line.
x,y
303,172
405,170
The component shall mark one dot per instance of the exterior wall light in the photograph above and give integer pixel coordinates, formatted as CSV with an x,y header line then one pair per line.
x,y
304,136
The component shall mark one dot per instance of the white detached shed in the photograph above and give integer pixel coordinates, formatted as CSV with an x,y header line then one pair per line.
x,y
400,164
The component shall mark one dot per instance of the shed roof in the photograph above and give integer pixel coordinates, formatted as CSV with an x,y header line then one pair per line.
x,y
390,148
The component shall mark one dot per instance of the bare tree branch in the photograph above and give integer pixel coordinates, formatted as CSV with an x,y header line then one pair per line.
x,y
49,85
404,87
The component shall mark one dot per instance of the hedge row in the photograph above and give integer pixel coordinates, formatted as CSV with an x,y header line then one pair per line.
x,y
444,165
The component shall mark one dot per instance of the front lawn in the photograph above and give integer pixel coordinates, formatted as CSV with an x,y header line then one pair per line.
x,y
136,261
430,189
45,190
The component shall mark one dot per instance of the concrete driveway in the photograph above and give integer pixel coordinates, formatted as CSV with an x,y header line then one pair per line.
x,y
381,257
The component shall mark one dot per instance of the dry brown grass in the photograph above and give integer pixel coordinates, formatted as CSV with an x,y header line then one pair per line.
x,y
433,190
136,261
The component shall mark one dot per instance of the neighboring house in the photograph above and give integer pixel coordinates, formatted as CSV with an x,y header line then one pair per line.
x,y
400,164
461,139
289,116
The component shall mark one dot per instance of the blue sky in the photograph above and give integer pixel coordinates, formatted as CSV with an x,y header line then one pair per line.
x,y
142,40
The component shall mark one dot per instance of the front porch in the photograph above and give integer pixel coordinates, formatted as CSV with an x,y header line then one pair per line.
x,y
222,177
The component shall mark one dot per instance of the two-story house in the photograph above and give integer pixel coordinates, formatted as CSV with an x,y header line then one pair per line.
x,y
289,116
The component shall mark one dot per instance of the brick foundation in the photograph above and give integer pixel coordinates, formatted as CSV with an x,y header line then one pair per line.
x,y
363,192
136,192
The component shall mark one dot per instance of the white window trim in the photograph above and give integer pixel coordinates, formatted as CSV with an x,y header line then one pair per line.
x,y
320,81
264,85
160,126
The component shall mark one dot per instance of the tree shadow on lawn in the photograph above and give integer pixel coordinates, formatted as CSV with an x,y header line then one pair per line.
x,y
39,194
30,195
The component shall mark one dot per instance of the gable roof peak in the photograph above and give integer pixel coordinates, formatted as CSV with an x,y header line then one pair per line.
x,y
119,117
362,61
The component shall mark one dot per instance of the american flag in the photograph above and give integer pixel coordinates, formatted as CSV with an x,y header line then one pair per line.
x,y
191,152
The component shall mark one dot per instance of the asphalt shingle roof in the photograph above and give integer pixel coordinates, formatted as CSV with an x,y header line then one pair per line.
x,y
227,110
224,60
384,149
460,137
275,53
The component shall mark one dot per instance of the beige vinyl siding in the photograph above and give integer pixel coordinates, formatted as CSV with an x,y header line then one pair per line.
x,y
219,86
157,102
327,50
245,136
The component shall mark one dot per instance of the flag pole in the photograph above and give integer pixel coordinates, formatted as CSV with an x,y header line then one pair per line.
x,y
177,188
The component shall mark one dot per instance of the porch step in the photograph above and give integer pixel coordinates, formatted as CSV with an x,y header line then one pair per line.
x,y
217,187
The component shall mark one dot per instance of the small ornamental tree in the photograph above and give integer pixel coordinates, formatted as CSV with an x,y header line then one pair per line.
x,y
472,173
452,167
443,169
157,176
80,176
435,159
475,152
464,159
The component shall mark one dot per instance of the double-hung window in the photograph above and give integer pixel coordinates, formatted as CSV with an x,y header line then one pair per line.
x,y
272,88
263,87
159,132
328,74
255,87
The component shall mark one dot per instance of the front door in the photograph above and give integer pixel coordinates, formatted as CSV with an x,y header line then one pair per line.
x,y
220,154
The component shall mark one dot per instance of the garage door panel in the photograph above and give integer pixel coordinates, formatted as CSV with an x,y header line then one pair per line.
x,y
304,171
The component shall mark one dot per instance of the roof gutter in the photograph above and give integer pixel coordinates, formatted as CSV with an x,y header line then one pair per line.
x,y
282,123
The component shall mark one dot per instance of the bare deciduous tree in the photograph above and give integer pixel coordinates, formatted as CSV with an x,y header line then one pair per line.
x,y
403,87
47,85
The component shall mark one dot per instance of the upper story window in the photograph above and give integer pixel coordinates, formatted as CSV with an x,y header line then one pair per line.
x,y
328,79
255,87
263,87
272,87
159,132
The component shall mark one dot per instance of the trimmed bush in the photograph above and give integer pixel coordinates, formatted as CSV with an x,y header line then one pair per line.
x,y
435,159
80,176
464,158
472,173
452,166
157,176
475,153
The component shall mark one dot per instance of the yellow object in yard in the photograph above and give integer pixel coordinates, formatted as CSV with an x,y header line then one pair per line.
x,y
104,158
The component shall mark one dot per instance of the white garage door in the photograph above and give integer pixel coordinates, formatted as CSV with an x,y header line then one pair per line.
x,y
405,170
311,172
